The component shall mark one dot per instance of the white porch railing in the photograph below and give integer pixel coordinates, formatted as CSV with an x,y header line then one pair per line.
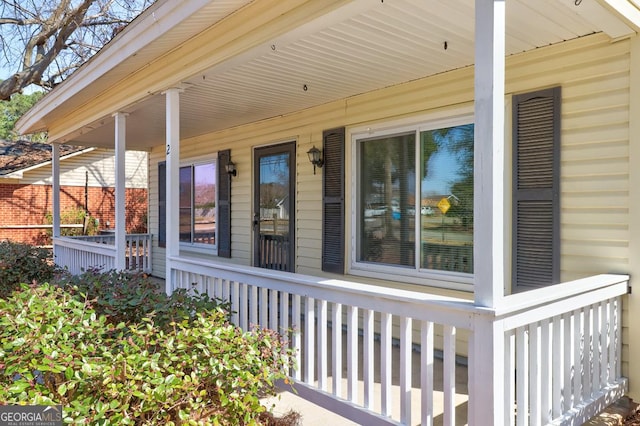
x,y
82,253
562,358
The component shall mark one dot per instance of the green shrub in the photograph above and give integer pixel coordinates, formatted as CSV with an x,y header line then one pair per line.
x,y
126,297
75,217
55,349
23,263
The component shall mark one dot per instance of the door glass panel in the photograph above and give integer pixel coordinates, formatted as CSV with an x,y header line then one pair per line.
x,y
274,211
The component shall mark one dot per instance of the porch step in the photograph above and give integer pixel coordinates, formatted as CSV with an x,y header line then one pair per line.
x,y
615,414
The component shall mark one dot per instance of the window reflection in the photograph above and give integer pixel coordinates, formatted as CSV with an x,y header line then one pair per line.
x,y
446,207
198,203
436,207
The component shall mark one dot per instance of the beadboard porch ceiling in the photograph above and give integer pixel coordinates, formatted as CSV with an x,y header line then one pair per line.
x,y
355,48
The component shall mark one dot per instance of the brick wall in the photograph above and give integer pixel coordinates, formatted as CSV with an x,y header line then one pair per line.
x,y
29,205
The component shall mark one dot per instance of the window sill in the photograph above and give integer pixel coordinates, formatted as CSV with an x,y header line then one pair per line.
x,y
442,279
198,249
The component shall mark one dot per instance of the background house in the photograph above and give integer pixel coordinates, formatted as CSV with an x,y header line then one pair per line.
x,y
87,185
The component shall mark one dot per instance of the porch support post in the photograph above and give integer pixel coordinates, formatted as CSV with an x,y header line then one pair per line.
x,y
489,154
55,196
486,369
173,180
120,230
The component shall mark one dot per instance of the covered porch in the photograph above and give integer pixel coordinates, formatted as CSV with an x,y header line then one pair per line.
x,y
548,355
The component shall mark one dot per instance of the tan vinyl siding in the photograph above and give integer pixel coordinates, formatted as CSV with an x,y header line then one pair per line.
x,y
594,75
100,165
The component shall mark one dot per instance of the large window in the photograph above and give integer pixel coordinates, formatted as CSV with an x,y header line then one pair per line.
x,y
415,198
198,204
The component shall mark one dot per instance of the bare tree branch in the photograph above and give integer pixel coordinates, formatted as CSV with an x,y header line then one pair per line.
x,y
46,40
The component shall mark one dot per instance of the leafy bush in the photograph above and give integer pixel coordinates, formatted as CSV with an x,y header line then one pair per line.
x,y
23,263
125,297
55,349
75,217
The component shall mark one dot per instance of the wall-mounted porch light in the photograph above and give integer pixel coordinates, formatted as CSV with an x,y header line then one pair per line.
x,y
315,157
231,168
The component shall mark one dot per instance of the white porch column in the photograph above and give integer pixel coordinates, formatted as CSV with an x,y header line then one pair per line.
x,y
489,153
55,196
486,368
173,180
120,230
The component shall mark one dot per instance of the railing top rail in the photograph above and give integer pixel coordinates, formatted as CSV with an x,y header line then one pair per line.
x,y
89,246
90,237
553,300
518,302
104,237
451,310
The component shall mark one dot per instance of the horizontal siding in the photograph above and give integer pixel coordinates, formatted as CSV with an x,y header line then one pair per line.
x,y
95,168
593,73
594,76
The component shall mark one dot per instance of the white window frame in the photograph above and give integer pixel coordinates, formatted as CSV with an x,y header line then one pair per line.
x,y
200,247
415,274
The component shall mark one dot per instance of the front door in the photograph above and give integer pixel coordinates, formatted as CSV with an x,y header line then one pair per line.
x,y
274,207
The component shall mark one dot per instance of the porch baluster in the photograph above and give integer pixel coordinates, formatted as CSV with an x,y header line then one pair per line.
x,y
336,318
386,365
426,377
322,345
367,357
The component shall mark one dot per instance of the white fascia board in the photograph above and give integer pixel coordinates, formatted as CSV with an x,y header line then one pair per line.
x,y
19,173
159,18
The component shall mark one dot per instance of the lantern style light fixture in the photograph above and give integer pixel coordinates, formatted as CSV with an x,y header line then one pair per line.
x,y
315,157
231,168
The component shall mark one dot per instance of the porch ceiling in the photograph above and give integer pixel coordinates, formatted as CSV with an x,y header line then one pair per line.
x,y
359,47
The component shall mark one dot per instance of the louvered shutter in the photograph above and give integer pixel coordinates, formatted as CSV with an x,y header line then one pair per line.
x,y
333,201
223,219
536,182
162,204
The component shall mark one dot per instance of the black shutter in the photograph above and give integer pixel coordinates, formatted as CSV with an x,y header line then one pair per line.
x,y
536,189
333,201
223,220
162,204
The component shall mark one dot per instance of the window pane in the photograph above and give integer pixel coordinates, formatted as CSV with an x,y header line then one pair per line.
x,y
387,213
185,204
446,207
274,195
204,203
